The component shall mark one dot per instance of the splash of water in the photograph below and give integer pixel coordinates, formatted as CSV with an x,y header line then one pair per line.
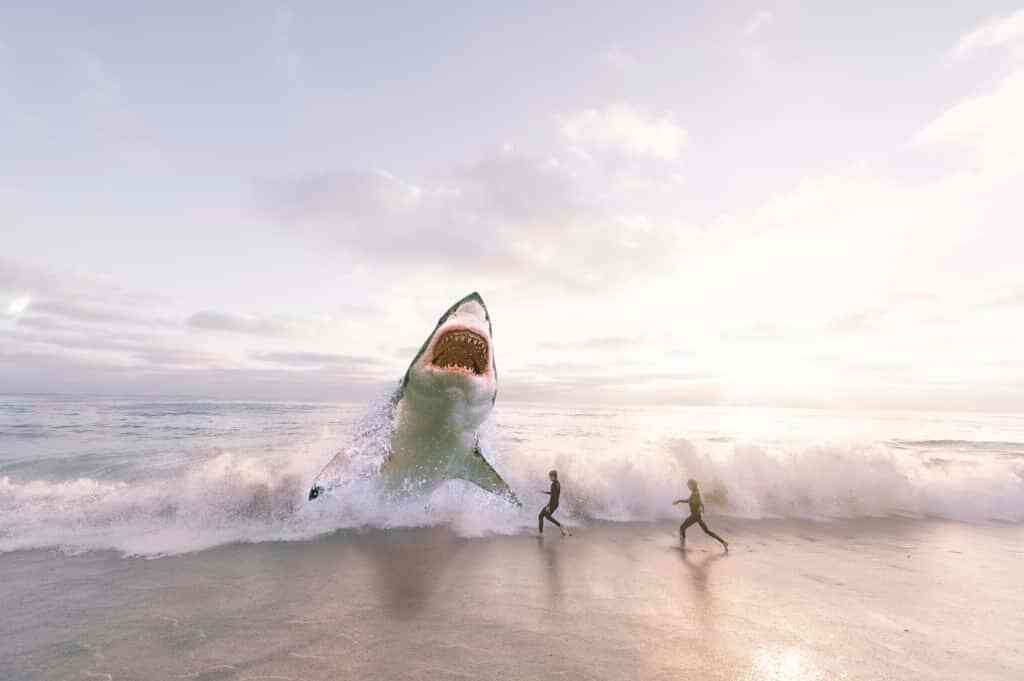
x,y
236,497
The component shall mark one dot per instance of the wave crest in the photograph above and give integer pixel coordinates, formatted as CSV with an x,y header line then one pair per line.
x,y
232,497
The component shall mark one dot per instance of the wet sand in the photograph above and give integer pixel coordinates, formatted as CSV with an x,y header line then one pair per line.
x,y
877,599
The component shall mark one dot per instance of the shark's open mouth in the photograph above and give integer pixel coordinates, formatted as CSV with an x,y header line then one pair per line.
x,y
461,349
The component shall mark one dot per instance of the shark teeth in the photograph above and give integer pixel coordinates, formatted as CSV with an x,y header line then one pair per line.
x,y
461,349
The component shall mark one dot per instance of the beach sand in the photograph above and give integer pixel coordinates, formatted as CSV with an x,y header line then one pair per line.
x,y
866,599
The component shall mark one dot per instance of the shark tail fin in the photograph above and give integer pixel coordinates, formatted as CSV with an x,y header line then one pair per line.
x,y
480,472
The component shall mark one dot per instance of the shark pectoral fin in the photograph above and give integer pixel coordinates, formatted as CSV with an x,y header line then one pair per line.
x,y
481,473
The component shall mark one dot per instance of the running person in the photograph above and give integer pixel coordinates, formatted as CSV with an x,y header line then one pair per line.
x,y
549,510
696,509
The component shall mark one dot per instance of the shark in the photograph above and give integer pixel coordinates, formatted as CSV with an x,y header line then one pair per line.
x,y
443,399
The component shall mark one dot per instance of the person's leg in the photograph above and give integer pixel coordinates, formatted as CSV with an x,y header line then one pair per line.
x,y
549,513
686,523
712,534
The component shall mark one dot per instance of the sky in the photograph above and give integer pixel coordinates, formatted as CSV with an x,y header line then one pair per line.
x,y
681,203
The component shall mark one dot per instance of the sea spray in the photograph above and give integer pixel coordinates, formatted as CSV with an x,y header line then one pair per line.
x,y
175,487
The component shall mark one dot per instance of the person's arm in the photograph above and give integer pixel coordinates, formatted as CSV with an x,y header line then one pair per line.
x,y
681,501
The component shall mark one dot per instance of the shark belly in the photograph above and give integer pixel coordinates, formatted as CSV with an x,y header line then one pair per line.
x,y
435,441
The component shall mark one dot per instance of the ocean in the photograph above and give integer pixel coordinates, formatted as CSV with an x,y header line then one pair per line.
x,y
172,538
152,477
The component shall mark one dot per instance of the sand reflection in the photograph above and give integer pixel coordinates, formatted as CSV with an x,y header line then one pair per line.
x,y
409,565
700,568
552,571
785,664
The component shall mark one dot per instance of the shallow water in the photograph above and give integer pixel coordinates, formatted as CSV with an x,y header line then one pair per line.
x,y
792,601
153,477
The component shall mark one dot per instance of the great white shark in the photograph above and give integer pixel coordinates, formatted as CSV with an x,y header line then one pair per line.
x,y
447,393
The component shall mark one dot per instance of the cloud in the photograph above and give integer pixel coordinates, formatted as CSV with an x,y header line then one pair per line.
x,y
98,345
582,375
889,267
995,32
406,352
57,342
854,323
318,359
287,60
78,334
374,213
988,126
66,331
619,59
64,337
17,306
212,320
759,331
33,372
346,196
510,188
506,216
38,283
107,116
599,343
90,313
74,304
602,386
19,278
623,129
505,187
1013,299
757,22
156,357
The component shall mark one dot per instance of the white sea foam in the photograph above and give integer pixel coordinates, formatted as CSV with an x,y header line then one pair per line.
x,y
232,496
825,481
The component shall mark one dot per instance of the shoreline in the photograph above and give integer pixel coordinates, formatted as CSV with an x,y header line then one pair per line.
x,y
866,599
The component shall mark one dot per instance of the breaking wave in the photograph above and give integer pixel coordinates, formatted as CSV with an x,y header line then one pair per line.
x,y
817,482
236,497
1012,448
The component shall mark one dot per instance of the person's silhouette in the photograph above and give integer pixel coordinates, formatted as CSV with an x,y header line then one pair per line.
x,y
552,505
696,510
